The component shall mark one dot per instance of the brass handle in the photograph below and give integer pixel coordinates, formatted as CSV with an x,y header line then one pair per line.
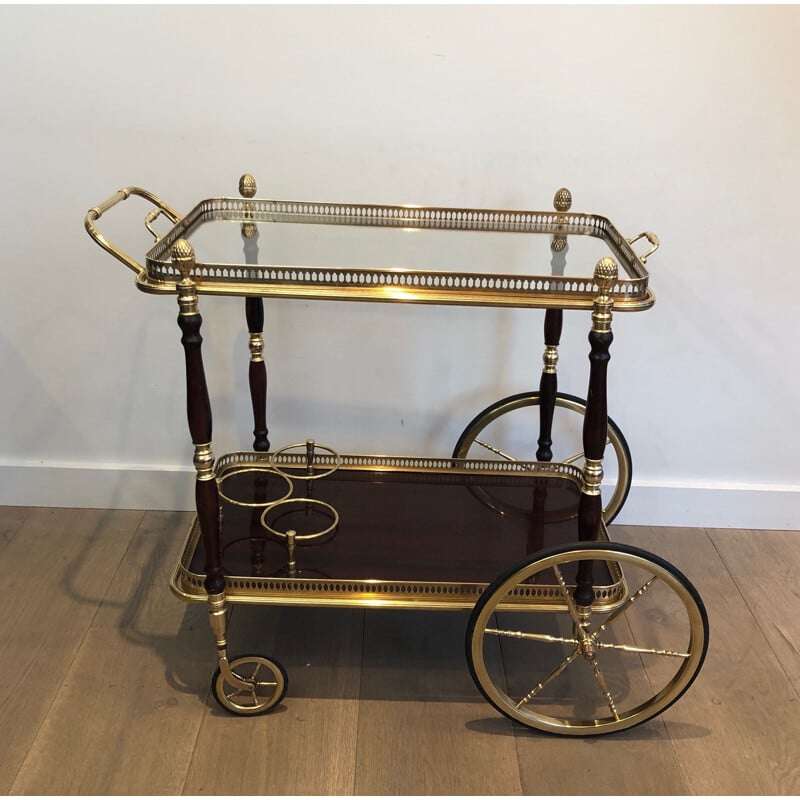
x,y
652,238
151,218
123,194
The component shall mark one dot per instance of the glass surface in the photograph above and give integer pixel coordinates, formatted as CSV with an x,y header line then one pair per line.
x,y
365,247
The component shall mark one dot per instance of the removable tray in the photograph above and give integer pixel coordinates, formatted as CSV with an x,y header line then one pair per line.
x,y
390,253
412,533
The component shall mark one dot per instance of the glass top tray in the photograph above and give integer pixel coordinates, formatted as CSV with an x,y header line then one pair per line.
x,y
391,253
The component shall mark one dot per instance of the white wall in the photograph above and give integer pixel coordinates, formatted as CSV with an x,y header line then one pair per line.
x,y
683,120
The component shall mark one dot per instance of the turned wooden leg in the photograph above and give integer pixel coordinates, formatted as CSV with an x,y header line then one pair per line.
x,y
553,322
254,307
548,385
198,409
595,424
254,311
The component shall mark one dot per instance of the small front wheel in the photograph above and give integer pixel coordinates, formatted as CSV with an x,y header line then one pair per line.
x,y
544,661
265,686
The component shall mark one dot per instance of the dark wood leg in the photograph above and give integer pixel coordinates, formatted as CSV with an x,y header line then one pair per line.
x,y
548,385
595,431
595,425
198,407
254,309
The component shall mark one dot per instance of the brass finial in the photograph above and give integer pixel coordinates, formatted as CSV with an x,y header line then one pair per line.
x,y
563,200
606,273
247,189
183,257
247,186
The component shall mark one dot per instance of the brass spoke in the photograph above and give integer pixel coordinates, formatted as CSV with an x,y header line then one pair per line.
x,y
495,450
551,676
630,648
601,681
573,612
241,693
623,608
246,683
538,637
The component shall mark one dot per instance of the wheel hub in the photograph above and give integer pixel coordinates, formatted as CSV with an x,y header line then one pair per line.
x,y
586,648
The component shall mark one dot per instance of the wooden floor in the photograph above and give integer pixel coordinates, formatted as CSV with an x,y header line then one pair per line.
x,y
104,682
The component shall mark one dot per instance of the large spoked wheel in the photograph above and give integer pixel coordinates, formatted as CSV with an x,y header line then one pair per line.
x,y
542,662
509,429
266,686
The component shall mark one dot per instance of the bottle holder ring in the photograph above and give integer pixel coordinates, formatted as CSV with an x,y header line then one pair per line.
x,y
286,507
299,463
264,471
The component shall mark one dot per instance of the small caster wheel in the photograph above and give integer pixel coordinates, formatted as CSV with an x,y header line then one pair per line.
x,y
267,685
508,430
557,667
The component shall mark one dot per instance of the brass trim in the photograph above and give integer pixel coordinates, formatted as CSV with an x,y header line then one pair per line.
x,y
204,462
432,595
400,285
95,213
151,217
606,276
247,189
562,200
247,186
652,238
550,359
231,473
376,593
256,345
217,617
601,315
382,463
300,537
184,262
332,459
187,298
592,476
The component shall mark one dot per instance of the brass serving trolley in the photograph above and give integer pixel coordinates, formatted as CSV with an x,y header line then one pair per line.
x,y
569,633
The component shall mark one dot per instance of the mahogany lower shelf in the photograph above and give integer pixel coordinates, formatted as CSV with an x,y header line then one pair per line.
x,y
407,536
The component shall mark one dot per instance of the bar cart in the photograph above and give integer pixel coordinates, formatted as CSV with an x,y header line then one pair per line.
x,y
569,633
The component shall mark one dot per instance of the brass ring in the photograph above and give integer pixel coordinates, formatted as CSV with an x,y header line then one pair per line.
x,y
241,471
305,536
336,457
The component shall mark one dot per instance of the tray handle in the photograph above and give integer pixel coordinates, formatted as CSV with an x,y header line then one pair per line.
x,y
652,238
95,213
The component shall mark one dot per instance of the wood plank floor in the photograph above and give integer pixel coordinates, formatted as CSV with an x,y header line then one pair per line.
x,y
104,682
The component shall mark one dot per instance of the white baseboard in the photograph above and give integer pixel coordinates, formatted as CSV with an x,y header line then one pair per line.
x,y
772,507
755,506
98,486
